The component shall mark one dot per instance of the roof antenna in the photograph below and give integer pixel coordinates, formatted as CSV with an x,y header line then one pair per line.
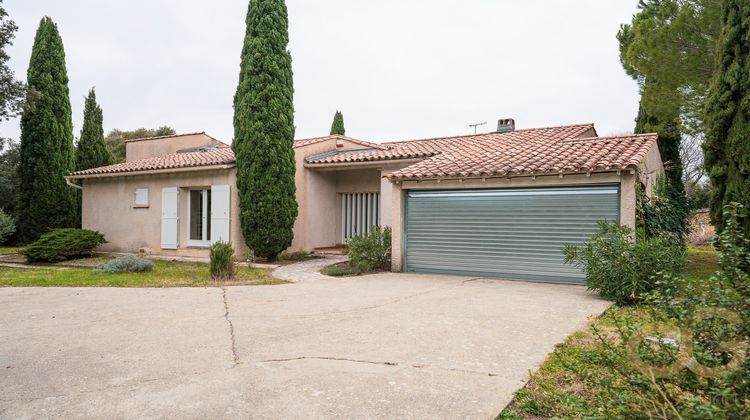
x,y
475,125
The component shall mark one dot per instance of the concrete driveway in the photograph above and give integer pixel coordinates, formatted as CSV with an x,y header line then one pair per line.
x,y
387,345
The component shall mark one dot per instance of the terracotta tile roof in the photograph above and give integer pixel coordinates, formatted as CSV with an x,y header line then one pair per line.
x,y
532,156
174,136
424,148
221,155
307,142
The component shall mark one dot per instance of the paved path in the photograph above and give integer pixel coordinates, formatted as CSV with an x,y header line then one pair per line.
x,y
307,270
380,346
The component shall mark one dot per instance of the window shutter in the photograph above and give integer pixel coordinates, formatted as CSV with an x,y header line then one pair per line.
x,y
220,220
169,217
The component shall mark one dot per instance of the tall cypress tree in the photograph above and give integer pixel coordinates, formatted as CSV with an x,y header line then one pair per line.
x,y
727,119
92,152
337,128
264,131
47,153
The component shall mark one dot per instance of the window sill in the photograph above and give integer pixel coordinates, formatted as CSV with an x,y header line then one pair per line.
x,y
141,206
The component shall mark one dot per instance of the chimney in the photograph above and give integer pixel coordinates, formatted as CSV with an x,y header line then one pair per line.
x,y
506,125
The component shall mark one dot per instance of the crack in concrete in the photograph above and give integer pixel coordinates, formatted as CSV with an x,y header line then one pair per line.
x,y
235,357
473,372
470,280
341,359
413,365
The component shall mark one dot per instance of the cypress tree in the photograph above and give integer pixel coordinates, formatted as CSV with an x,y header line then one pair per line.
x,y
337,128
264,131
92,152
47,152
727,119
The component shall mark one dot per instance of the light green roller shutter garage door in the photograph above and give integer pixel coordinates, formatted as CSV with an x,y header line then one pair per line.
x,y
504,233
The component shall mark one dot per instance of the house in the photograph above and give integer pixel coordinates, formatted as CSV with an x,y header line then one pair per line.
x,y
497,204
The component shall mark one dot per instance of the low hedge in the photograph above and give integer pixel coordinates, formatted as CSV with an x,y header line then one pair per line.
x,y
62,244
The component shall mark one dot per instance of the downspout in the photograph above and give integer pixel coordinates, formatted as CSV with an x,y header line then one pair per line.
x,y
71,184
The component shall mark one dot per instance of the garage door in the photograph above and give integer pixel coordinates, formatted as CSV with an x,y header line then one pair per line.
x,y
506,233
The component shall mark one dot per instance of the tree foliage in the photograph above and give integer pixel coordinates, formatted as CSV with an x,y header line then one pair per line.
x,y
11,90
671,43
47,152
337,128
92,152
727,145
115,139
264,131
10,156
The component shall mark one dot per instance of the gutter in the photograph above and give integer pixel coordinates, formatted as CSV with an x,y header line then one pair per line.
x,y
68,180
533,176
150,172
347,165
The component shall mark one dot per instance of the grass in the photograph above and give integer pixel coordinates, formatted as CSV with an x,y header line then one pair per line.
x,y
77,273
7,250
575,380
342,269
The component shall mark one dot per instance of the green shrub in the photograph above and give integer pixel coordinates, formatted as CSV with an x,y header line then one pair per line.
x,y
622,268
7,227
222,261
663,212
61,244
713,318
371,251
127,264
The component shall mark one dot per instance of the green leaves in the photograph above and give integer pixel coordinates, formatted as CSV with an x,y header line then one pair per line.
x,y
92,152
264,131
337,128
620,266
727,145
47,153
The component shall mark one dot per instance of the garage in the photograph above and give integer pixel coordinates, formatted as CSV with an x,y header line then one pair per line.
x,y
505,233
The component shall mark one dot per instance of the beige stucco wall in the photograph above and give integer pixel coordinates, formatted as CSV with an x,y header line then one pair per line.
x,y
108,207
145,148
625,179
319,220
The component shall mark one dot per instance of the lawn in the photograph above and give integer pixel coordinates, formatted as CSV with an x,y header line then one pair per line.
x,y
164,274
6,250
577,381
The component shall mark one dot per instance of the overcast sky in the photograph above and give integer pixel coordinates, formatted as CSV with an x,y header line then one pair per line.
x,y
398,69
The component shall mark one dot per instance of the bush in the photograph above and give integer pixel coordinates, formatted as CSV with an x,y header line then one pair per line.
x,y
61,244
622,268
7,227
712,317
128,264
222,261
371,251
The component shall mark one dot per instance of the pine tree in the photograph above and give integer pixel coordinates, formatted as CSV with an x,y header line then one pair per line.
x,y
337,128
92,152
727,119
264,131
47,153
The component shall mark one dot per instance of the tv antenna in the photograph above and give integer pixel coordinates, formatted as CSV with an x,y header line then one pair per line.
x,y
475,125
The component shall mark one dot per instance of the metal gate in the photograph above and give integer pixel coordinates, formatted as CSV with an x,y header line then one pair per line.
x,y
359,213
506,233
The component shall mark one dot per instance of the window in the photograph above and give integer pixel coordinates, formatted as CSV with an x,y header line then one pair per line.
x,y
141,197
200,218
359,213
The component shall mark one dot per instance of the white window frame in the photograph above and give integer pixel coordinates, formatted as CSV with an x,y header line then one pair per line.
x,y
144,192
205,243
